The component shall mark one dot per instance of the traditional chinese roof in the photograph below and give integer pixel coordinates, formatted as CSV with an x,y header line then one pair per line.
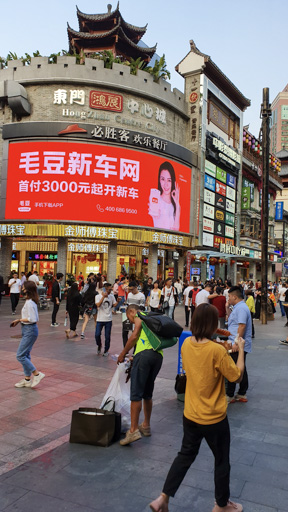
x,y
109,31
217,76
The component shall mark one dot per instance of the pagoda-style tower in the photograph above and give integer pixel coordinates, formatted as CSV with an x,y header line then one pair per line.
x,y
99,32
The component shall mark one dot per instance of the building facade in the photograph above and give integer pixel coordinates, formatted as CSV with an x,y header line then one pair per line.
x,y
279,122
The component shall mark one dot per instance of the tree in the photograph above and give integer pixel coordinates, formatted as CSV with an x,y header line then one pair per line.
x,y
159,70
135,65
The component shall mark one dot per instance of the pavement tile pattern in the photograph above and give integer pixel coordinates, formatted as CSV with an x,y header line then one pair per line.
x,y
40,470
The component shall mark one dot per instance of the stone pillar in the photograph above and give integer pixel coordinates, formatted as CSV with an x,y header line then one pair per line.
x,y
222,271
252,270
232,272
203,271
62,256
181,267
5,257
112,261
153,261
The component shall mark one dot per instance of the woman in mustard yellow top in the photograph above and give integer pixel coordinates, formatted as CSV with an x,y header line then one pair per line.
x,y
251,305
206,365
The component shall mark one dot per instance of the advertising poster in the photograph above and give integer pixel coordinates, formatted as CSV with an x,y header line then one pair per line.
x,y
96,183
229,231
231,180
220,188
208,225
208,239
220,229
209,197
230,193
210,183
221,175
230,206
220,202
210,168
219,215
229,219
218,240
208,211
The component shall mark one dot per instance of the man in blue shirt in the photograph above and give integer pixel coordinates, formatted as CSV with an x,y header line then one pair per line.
x,y
239,323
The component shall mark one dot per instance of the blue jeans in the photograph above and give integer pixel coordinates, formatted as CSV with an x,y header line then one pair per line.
x,y
119,303
29,336
282,307
169,311
99,327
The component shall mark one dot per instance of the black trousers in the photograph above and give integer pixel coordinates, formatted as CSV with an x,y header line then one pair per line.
x,y
187,314
14,297
73,317
231,386
217,437
54,312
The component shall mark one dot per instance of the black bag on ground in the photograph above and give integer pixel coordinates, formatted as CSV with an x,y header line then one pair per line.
x,y
180,383
94,426
161,325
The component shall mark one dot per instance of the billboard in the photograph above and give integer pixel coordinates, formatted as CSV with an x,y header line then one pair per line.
x,y
96,183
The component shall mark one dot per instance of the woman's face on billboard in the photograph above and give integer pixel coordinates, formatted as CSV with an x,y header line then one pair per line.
x,y
165,181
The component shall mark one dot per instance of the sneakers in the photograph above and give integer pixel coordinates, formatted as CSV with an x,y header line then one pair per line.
x,y
240,398
82,336
55,325
105,354
230,399
37,379
145,431
99,351
284,342
130,437
230,507
13,312
23,384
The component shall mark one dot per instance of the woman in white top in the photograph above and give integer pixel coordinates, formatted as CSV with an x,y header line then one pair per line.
x,y
29,319
168,216
169,298
154,297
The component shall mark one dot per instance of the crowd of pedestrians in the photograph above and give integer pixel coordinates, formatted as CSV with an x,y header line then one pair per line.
x,y
212,371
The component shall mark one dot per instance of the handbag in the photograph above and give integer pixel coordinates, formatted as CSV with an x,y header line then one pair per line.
x,y
165,304
93,426
180,383
158,342
160,324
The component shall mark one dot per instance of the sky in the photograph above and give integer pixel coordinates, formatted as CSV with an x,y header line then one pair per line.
x,y
246,40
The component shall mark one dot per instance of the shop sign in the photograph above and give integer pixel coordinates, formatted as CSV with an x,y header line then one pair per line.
x,y
175,255
279,210
226,152
12,229
209,197
220,202
208,211
229,241
231,180
221,175
83,181
94,248
208,225
230,193
220,188
218,240
219,215
188,265
229,219
208,239
232,249
106,101
110,133
42,256
247,183
210,168
230,206
229,231
246,198
219,228
210,183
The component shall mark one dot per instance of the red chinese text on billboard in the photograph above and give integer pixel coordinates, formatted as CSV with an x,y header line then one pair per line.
x,y
96,183
106,101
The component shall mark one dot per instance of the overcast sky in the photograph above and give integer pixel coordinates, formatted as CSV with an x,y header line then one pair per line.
x,y
247,40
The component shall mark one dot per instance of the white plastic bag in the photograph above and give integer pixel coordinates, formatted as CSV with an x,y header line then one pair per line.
x,y
119,390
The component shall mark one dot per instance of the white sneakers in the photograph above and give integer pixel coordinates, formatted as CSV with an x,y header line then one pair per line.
x,y
37,379
30,383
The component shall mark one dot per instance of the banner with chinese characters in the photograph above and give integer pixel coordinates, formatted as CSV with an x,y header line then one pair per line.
x,y
96,183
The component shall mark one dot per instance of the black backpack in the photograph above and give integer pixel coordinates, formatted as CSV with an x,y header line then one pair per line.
x,y
160,324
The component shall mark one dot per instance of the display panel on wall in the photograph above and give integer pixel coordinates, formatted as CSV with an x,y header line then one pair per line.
x,y
96,183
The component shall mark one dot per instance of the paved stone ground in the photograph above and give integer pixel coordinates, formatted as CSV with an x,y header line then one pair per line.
x,y
40,470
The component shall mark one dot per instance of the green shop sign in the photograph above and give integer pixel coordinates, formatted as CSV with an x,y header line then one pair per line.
x,y
246,198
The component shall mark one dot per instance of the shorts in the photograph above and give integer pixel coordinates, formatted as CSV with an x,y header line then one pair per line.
x,y
90,310
145,368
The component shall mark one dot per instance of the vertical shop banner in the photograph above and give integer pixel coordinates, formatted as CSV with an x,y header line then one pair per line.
x,y
279,210
246,198
96,183
188,265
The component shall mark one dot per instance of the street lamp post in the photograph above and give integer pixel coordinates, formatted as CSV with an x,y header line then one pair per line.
x,y
265,115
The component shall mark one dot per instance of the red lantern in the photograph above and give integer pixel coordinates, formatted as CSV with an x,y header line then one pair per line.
x,y
222,261
245,264
213,261
203,259
232,262
79,258
192,257
121,261
91,257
